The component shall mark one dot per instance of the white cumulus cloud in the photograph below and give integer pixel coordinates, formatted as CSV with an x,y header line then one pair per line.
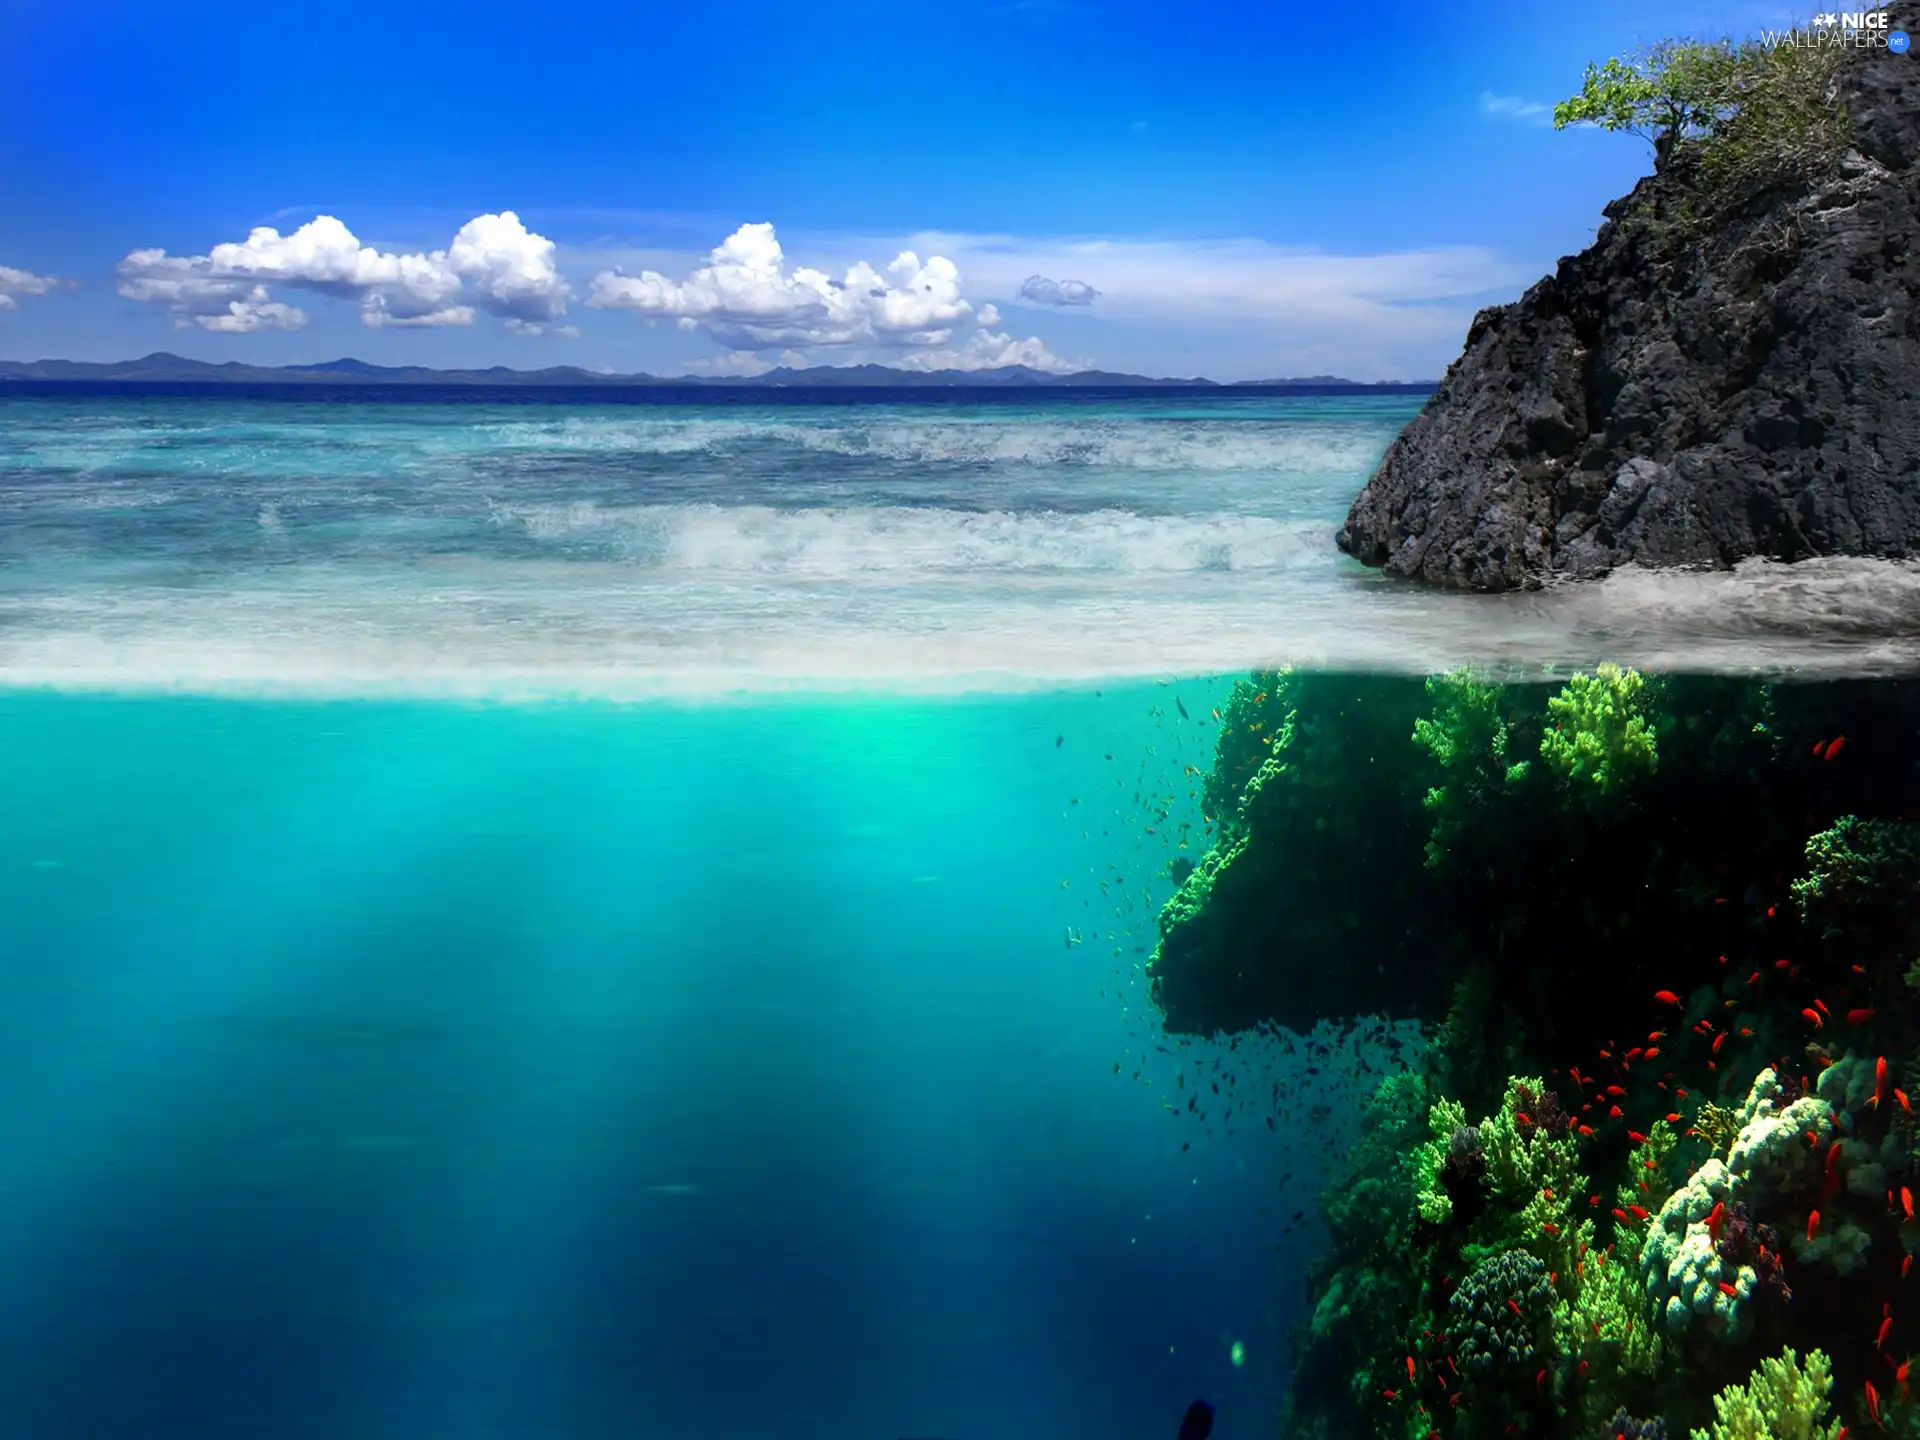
x,y
494,263
1042,291
1511,107
747,298
985,350
533,329
15,282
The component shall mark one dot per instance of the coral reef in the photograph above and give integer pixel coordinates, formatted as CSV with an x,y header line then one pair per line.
x,y
1503,1320
1466,737
1600,738
1662,1137
1782,1401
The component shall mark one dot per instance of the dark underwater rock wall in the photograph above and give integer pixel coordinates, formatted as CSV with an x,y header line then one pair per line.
x,y
1755,394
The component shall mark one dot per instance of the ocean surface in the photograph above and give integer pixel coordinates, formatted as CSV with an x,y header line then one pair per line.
x,y
555,921
344,542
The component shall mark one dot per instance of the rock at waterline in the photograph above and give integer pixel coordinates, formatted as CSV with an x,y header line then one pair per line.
x,y
1756,393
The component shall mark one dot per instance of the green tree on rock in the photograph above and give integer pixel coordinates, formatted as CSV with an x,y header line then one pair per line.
x,y
1745,118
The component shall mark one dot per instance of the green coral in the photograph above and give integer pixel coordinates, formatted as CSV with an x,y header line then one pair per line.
x,y
1603,1324
1431,1197
1600,738
1367,1309
1257,719
1780,1401
1647,1184
1857,862
1533,1172
1467,737
1858,895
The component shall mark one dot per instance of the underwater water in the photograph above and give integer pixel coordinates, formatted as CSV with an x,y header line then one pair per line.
x,y
577,920
398,1069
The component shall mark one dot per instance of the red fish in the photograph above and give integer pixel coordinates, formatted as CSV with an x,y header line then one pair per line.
x,y
1901,1096
1906,1201
1666,997
1636,1137
1718,1041
1726,1289
1814,1016
1873,1402
1619,1214
1860,1016
1638,1213
1409,1368
1886,1328
1813,1224
1714,1217
1613,1112
1839,744
1879,1082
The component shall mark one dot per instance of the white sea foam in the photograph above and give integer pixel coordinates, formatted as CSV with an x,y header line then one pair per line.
x,y
861,543
1196,445
312,553
526,630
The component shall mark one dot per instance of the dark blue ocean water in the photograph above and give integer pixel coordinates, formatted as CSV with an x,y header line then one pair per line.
x,y
570,921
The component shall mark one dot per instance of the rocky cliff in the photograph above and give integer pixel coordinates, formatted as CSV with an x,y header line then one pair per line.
x,y
1754,391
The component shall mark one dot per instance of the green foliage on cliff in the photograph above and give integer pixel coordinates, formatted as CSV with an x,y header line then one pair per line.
x,y
1735,120
1676,88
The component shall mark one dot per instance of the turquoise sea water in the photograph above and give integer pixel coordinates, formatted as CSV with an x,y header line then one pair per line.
x,y
580,921
389,1069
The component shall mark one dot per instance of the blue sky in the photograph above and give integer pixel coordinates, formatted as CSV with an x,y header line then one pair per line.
x,y
1245,190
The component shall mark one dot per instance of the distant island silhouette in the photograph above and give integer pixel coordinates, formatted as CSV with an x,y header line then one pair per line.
x,y
164,368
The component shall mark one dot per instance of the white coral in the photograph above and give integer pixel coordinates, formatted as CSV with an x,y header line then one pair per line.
x,y
1772,1153
1683,1267
1847,1084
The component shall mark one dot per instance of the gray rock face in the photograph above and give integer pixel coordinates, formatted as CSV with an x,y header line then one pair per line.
x,y
1756,395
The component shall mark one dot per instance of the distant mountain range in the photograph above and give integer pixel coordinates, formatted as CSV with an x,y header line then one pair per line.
x,y
163,368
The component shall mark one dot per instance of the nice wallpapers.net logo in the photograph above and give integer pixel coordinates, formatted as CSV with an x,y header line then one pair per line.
x,y
1851,29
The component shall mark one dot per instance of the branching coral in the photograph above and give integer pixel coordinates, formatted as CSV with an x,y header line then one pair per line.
x,y
1600,739
1533,1173
1367,1290
1858,894
1467,738
1434,1193
1258,713
1647,1184
1603,1327
1782,1400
